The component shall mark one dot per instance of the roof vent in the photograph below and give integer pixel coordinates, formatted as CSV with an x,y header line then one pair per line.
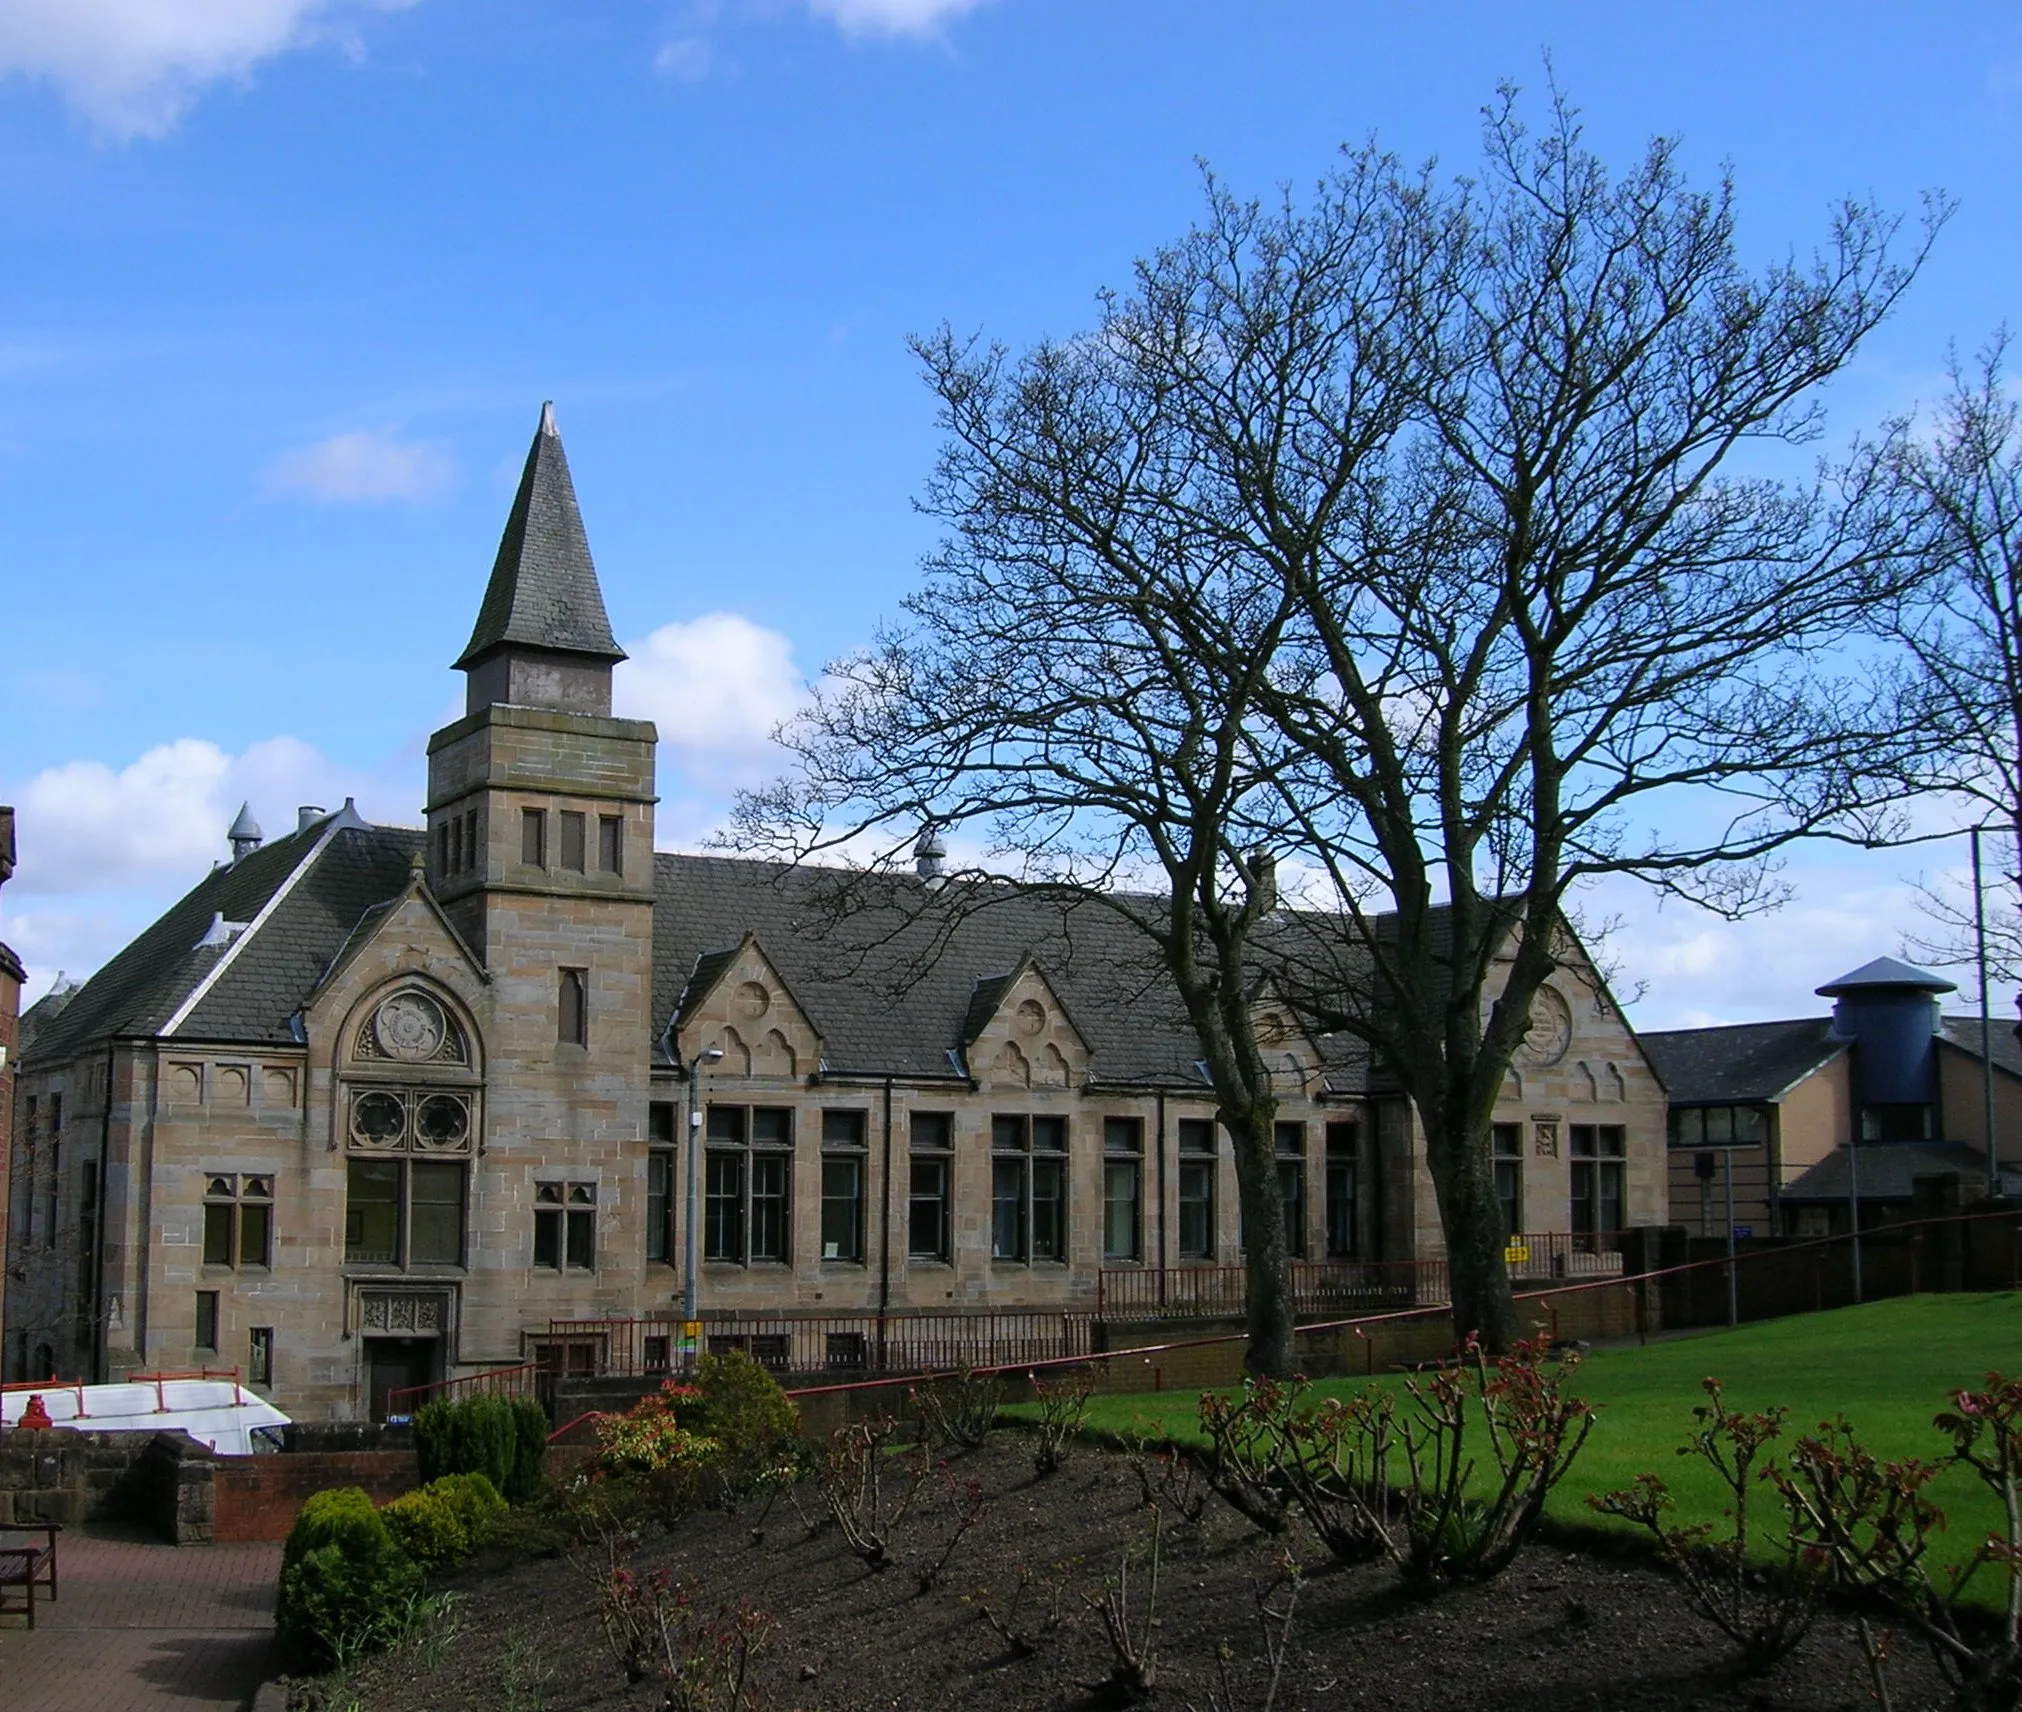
x,y
221,932
245,834
930,855
307,815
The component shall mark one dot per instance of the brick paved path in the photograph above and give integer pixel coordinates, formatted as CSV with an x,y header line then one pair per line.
x,y
143,1627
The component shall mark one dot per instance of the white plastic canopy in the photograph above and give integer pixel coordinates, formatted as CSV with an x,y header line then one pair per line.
x,y
218,1412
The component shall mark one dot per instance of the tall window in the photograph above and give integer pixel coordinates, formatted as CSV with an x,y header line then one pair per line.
x,y
404,1212
842,1185
572,1008
928,1221
1290,1141
1506,1151
207,1320
573,852
1028,1188
260,1356
1599,1166
1197,1188
611,843
534,837
565,1226
1122,1188
1343,1142
238,1220
660,1197
748,1174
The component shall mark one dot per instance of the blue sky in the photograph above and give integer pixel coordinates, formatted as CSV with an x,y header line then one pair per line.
x,y
284,283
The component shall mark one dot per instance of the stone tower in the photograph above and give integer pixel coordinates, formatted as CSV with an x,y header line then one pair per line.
x,y
540,851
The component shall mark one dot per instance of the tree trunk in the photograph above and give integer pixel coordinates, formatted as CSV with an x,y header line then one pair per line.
x,y
1464,1179
1267,1274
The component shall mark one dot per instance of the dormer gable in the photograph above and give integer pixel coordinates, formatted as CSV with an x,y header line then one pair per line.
x,y
738,1003
1289,1051
1018,1033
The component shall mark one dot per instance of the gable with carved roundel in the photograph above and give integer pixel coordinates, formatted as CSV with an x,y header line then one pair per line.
x,y
1288,1050
1029,1041
750,1015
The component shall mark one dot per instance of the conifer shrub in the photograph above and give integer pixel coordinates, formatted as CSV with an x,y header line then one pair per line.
x,y
503,1438
346,1586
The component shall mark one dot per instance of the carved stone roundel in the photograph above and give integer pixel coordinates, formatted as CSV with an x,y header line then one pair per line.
x,y
1031,1017
410,1027
753,1000
1551,1030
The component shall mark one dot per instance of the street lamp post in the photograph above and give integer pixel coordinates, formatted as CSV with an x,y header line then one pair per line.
x,y
691,1237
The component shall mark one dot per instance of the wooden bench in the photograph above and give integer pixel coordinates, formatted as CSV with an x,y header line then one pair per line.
x,y
27,1566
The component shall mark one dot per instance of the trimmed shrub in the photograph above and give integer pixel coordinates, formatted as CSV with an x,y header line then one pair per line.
x,y
427,1528
742,1407
503,1438
346,1586
475,1502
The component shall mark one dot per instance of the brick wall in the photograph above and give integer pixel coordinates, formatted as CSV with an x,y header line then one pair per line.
x,y
257,1497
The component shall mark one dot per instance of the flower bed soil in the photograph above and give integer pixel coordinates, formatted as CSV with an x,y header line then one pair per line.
x,y
1564,1629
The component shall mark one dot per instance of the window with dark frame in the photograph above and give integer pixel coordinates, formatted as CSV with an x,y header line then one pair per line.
x,y
1506,1161
842,1184
1289,1141
572,841
565,1226
1343,1206
747,1180
470,859
1599,1169
534,837
1122,1188
207,1320
1196,1188
660,1201
1028,1187
1694,1127
260,1356
611,843
404,1212
572,1008
238,1220
929,1220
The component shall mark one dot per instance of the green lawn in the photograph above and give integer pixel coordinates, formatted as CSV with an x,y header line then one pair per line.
x,y
1888,1367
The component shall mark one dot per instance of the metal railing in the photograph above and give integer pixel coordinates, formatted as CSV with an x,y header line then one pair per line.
x,y
1329,1288
524,1380
827,1343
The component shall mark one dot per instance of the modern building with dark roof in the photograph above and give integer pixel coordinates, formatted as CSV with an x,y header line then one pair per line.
x,y
372,1106
1800,1121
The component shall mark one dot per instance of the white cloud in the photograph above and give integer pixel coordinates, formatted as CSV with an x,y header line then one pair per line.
x,y
716,687
135,66
83,827
685,59
892,17
365,465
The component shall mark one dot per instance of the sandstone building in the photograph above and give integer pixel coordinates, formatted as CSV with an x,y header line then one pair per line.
x,y
371,1106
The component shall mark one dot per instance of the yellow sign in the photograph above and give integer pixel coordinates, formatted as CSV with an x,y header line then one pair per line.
x,y
1516,1254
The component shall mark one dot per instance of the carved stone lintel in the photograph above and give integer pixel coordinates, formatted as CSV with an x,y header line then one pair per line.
x,y
404,1313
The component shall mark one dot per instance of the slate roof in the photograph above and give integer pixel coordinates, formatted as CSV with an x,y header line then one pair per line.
x,y
275,968
892,985
896,983
543,591
1740,1063
1964,1034
1888,1170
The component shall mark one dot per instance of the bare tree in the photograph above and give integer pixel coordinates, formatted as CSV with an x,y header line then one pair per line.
x,y
1966,475
1390,535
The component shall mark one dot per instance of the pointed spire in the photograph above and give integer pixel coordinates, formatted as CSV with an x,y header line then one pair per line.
x,y
543,591
245,834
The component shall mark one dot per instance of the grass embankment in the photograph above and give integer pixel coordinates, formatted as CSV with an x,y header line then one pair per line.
x,y
1888,1367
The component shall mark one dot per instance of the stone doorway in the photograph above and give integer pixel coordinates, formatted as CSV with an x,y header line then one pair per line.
x,y
395,1364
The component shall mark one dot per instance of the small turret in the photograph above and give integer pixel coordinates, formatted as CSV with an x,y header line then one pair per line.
x,y
930,855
